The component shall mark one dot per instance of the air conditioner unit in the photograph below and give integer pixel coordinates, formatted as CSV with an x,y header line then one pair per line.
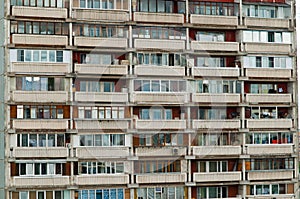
x,y
175,151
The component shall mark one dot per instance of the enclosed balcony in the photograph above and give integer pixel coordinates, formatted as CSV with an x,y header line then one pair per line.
x,y
217,176
267,48
215,46
160,70
40,12
39,96
160,151
269,98
270,175
216,124
157,98
101,15
102,124
160,178
158,17
215,72
272,149
40,181
98,42
40,152
216,150
269,123
40,124
103,179
102,152
46,40
101,97
32,67
163,44
95,69
268,73
160,124
267,22
215,98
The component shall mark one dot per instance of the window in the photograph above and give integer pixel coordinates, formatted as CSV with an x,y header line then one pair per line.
x,y
261,11
101,59
40,84
39,112
101,112
101,167
270,138
212,192
268,62
211,8
159,33
265,36
37,169
164,85
43,28
102,140
160,59
217,86
161,139
156,114
217,139
94,86
101,194
161,192
42,140
157,166
164,6
268,189
100,31
272,164
210,36
210,62
57,194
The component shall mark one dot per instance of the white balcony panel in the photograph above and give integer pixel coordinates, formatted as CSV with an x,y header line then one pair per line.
x,y
269,123
217,176
101,124
102,15
267,48
98,42
160,178
47,40
102,152
269,98
268,73
168,97
262,149
33,67
40,124
214,46
214,20
215,98
160,151
160,124
103,179
216,150
158,17
216,124
164,44
215,72
160,70
270,175
40,152
95,69
101,97
45,181
270,23
40,96
40,12
275,196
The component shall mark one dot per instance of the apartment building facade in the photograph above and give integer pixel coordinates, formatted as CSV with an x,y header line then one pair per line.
x,y
136,99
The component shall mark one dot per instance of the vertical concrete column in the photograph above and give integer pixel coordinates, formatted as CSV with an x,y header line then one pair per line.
x,y
70,35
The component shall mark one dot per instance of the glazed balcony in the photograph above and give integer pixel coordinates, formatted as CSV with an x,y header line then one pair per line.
x,y
160,97
33,67
162,44
103,179
160,151
267,48
39,96
160,178
40,181
102,152
101,15
215,46
270,175
214,20
267,23
158,17
216,150
216,124
40,152
217,176
98,42
101,97
45,40
215,72
101,124
40,12
269,123
96,69
160,124
40,124
160,70
269,98
272,149
268,73
216,98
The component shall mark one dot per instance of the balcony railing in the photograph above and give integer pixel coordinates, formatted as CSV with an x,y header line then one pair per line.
x,y
160,124
272,149
270,175
160,70
156,97
216,98
101,124
268,48
217,176
40,124
103,179
215,72
47,40
102,152
268,73
40,152
96,69
216,150
164,44
40,12
43,181
268,98
101,15
158,17
33,67
101,97
215,46
270,23
269,123
39,96
160,151
160,178
97,42
216,124
214,20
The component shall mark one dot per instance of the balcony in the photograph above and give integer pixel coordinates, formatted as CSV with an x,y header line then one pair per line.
x,y
45,40
162,44
216,150
98,42
171,71
160,97
267,23
33,67
101,15
40,124
101,97
215,72
270,175
217,176
40,12
269,123
160,178
159,17
160,151
268,73
40,152
95,69
268,48
214,20
101,124
215,98
39,96
269,98
40,181
262,149
102,152
103,179
215,46
160,124
216,124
